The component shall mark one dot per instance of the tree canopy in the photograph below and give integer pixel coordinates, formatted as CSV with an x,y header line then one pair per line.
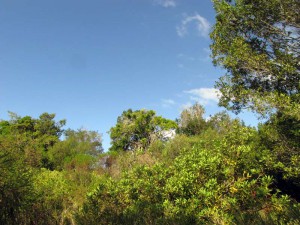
x,y
258,42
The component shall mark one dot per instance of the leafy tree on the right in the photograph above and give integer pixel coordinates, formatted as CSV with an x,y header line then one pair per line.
x,y
258,43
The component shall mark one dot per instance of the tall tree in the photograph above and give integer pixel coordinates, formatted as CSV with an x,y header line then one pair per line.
x,y
258,43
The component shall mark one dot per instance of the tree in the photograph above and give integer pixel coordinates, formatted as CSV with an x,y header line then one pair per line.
x,y
33,137
44,126
222,123
79,147
137,129
258,43
16,189
191,121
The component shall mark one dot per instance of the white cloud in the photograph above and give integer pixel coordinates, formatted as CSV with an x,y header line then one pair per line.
x,y
204,95
202,25
167,103
166,3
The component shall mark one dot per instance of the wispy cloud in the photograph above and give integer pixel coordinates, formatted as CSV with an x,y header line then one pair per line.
x,y
204,95
202,25
166,103
166,3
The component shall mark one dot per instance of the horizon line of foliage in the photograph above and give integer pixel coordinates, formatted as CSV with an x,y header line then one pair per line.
x,y
213,171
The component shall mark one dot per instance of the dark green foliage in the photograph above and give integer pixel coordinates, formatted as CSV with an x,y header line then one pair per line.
x,y
280,135
44,126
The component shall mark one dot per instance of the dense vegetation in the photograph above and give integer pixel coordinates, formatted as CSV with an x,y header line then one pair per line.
x,y
213,171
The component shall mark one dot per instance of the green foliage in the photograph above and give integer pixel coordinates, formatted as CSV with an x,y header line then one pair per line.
x,y
217,172
222,123
53,197
257,42
135,199
46,125
137,129
33,137
211,179
192,121
32,194
16,189
78,149
59,194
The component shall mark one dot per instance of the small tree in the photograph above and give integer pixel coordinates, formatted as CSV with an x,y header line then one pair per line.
x,y
191,121
79,147
137,129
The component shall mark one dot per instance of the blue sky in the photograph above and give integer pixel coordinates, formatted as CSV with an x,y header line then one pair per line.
x,y
88,61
